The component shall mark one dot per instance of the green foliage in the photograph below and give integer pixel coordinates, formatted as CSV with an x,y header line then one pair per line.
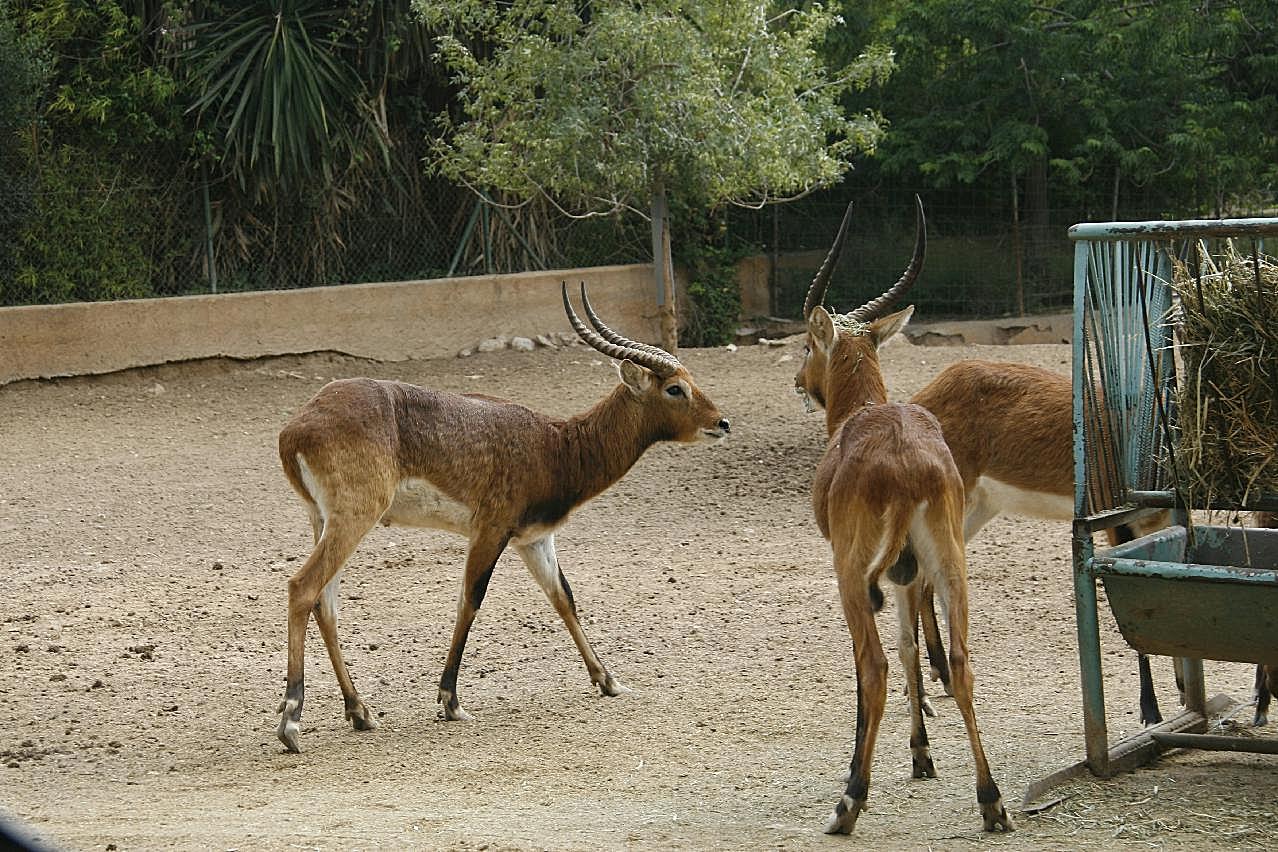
x,y
23,69
311,120
278,94
713,311
595,105
86,241
105,111
310,115
1109,96
109,90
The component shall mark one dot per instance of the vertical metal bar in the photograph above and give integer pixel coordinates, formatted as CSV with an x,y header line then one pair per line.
x,y
486,231
659,213
1088,624
208,237
1195,687
1095,730
1080,377
774,278
1018,249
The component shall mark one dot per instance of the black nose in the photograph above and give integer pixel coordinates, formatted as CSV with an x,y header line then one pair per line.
x,y
725,425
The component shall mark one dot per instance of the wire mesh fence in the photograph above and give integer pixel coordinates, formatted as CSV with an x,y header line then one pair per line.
x,y
83,230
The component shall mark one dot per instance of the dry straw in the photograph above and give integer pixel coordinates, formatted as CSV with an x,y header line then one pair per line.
x,y
1227,447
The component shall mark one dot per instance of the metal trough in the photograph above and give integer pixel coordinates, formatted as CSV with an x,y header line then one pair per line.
x,y
1215,598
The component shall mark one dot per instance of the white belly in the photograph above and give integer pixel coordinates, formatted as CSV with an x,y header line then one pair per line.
x,y
417,503
1007,499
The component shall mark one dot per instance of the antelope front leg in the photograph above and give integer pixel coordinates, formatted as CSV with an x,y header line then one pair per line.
x,y
480,562
935,647
543,564
1263,692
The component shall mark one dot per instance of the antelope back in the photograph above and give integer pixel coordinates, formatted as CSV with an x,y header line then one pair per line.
x,y
1011,422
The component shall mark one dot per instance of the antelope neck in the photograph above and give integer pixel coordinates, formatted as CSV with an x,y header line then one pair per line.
x,y
601,444
851,384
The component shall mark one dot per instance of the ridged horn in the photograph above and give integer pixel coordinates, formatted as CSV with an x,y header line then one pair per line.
x,y
611,336
874,308
816,292
664,365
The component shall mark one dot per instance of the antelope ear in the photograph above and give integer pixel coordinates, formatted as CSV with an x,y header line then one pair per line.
x,y
821,328
635,377
882,329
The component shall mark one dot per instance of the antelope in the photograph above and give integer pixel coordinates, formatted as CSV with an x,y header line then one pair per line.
x,y
1266,675
365,451
1009,428
889,499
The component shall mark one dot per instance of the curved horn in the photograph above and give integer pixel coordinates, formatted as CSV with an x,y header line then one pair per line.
x,y
874,309
612,337
664,367
816,293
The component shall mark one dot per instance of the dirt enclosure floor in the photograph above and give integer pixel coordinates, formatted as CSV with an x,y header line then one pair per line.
x,y
146,538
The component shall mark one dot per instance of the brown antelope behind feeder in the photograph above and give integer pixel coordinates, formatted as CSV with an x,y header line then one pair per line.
x,y
1009,428
1266,675
889,499
363,452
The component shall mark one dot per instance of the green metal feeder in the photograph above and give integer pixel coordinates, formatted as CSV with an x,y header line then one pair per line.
x,y
1193,592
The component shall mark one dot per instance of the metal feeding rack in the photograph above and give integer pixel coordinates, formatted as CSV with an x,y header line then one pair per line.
x,y
1192,591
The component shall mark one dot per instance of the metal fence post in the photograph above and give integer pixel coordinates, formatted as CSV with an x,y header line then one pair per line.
x,y
208,234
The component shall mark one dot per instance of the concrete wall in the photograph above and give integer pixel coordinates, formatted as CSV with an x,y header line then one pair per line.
x,y
417,319
1041,328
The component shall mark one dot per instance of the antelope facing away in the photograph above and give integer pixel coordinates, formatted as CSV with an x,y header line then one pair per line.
x,y
364,451
889,499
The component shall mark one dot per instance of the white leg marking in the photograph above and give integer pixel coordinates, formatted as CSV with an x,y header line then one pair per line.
x,y
313,488
542,563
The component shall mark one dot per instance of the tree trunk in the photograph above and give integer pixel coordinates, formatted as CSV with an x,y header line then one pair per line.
x,y
663,269
1018,248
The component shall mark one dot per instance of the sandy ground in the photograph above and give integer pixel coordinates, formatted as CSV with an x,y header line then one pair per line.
x,y
147,534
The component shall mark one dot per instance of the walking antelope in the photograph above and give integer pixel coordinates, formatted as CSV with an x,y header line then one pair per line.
x,y
364,451
889,499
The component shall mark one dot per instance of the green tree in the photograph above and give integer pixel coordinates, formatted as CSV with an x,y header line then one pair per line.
x,y
1079,92
23,70
303,113
1110,110
613,106
107,111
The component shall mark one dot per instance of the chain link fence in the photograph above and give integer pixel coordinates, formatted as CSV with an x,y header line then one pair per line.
x,y
86,230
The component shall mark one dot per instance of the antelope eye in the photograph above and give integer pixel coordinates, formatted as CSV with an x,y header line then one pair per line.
x,y
675,390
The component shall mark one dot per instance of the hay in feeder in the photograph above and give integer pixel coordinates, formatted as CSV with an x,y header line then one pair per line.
x,y
1227,446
